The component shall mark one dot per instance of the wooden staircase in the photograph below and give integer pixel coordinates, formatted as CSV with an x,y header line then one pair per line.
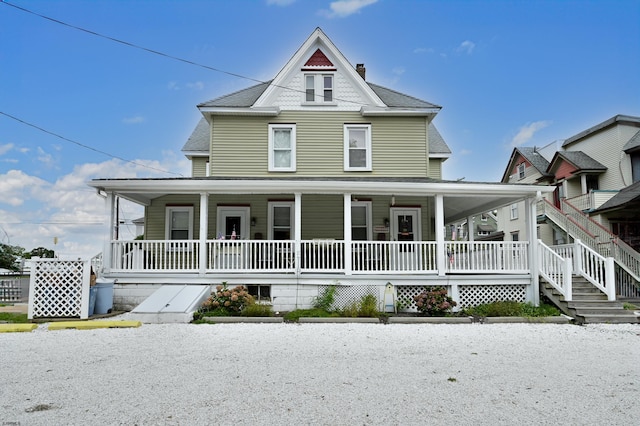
x,y
589,304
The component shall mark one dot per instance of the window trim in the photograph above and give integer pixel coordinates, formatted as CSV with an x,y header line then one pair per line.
x,y
346,129
513,209
270,206
521,171
168,212
272,128
319,89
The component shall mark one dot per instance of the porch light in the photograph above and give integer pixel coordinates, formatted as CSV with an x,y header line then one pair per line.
x,y
386,222
393,200
253,221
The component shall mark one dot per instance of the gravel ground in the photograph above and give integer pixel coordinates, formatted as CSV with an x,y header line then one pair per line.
x,y
323,374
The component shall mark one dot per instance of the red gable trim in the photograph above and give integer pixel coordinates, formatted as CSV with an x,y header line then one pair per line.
x,y
318,59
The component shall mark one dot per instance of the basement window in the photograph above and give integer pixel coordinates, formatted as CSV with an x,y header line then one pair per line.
x,y
261,293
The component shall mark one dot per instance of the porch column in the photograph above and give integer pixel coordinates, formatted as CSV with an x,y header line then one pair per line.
x,y
297,231
532,232
347,234
204,224
111,230
470,229
440,235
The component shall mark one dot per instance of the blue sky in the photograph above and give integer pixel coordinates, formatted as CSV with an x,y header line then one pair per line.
x,y
507,73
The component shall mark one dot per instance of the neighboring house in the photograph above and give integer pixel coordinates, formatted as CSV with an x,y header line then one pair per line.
x,y
596,175
314,178
483,226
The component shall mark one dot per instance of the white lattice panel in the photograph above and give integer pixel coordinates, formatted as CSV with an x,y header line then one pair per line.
x,y
474,295
59,288
347,295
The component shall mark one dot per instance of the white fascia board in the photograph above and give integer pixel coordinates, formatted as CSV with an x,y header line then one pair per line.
x,y
250,186
272,111
190,154
445,156
426,112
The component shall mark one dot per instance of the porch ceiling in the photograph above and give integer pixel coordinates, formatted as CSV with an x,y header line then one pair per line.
x,y
461,199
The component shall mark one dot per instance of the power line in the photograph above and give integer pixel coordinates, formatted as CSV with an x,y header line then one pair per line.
x,y
85,146
166,55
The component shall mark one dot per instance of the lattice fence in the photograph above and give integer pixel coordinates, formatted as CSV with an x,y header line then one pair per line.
x,y
347,295
59,288
474,295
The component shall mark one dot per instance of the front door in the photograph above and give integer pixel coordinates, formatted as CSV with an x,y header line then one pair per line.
x,y
233,223
405,230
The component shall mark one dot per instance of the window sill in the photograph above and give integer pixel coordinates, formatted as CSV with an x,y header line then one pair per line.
x,y
319,104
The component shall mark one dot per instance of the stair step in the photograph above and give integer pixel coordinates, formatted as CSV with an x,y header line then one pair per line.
x,y
594,304
610,319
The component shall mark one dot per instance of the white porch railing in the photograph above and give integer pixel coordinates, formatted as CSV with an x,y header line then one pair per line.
x,y
555,266
488,256
597,269
317,256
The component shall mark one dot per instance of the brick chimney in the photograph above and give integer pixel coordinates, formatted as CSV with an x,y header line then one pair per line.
x,y
360,69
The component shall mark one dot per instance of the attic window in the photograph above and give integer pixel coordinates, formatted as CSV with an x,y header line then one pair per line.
x,y
318,88
521,171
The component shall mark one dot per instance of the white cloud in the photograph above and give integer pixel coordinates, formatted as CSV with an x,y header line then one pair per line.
x,y
173,85
34,211
466,47
398,70
45,158
136,119
5,148
344,8
280,2
465,152
526,132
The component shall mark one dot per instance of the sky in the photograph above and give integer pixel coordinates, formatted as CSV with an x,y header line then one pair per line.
x,y
108,89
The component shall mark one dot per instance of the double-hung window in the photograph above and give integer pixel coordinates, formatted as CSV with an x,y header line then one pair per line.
x,y
179,223
361,221
280,220
521,171
318,88
357,147
282,147
514,211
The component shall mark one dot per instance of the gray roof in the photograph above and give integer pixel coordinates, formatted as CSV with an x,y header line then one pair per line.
x,y
626,196
536,159
437,145
199,139
241,99
395,99
622,119
633,144
581,160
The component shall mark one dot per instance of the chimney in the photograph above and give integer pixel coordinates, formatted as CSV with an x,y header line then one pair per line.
x,y
360,69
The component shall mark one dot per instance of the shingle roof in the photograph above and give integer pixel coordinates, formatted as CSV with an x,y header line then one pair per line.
x,y
626,195
532,155
241,99
437,145
395,99
581,160
199,139
622,119
633,144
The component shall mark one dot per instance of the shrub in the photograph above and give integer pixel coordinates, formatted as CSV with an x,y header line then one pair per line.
x,y
257,310
368,306
325,299
511,308
434,301
232,301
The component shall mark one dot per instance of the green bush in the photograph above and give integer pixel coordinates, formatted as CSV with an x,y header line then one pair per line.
x,y
226,301
368,306
511,308
325,299
257,310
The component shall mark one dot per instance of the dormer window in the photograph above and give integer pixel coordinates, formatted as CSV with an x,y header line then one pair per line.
x,y
521,171
318,88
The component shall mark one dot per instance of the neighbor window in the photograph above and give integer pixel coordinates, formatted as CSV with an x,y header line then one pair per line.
x,y
318,87
280,220
514,211
521,168
357,147
361,221
515,236
179,223
282,147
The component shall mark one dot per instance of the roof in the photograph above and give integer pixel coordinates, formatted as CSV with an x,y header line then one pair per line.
x,y
437,145
530,154
241,99
618,119
579,159
633,144
394,99
626,196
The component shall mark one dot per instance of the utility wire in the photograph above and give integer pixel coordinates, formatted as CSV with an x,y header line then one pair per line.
x,y
86,146
166,55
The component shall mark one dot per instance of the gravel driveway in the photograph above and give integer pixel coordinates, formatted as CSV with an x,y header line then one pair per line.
x,y
323,374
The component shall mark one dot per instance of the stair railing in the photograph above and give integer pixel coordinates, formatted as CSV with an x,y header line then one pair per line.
x,y
555,269
597,269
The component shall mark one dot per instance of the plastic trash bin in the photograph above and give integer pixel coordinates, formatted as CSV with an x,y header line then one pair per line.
x,y
93,292
104,296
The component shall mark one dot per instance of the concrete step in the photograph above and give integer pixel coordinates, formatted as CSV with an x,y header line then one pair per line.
x,y
594,304
609,318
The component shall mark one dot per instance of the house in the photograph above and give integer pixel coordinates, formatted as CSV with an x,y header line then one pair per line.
x,y
318,177
595,174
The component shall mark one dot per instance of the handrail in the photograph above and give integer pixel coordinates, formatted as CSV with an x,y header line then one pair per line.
x,y
555,269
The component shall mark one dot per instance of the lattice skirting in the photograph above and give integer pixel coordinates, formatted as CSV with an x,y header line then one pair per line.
x,y
474,295
345,296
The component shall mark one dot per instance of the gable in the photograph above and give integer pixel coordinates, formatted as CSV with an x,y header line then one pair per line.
x,y
318,60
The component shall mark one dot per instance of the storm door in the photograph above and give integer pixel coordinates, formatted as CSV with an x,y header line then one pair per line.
x,y
405,231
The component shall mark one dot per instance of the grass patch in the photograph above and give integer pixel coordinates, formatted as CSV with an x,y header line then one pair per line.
x,y
294,316
8,317
629,306
512,309
257,310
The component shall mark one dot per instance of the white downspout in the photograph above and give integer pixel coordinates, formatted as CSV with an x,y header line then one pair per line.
x,y
347,234
106,253
531,215
297,222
